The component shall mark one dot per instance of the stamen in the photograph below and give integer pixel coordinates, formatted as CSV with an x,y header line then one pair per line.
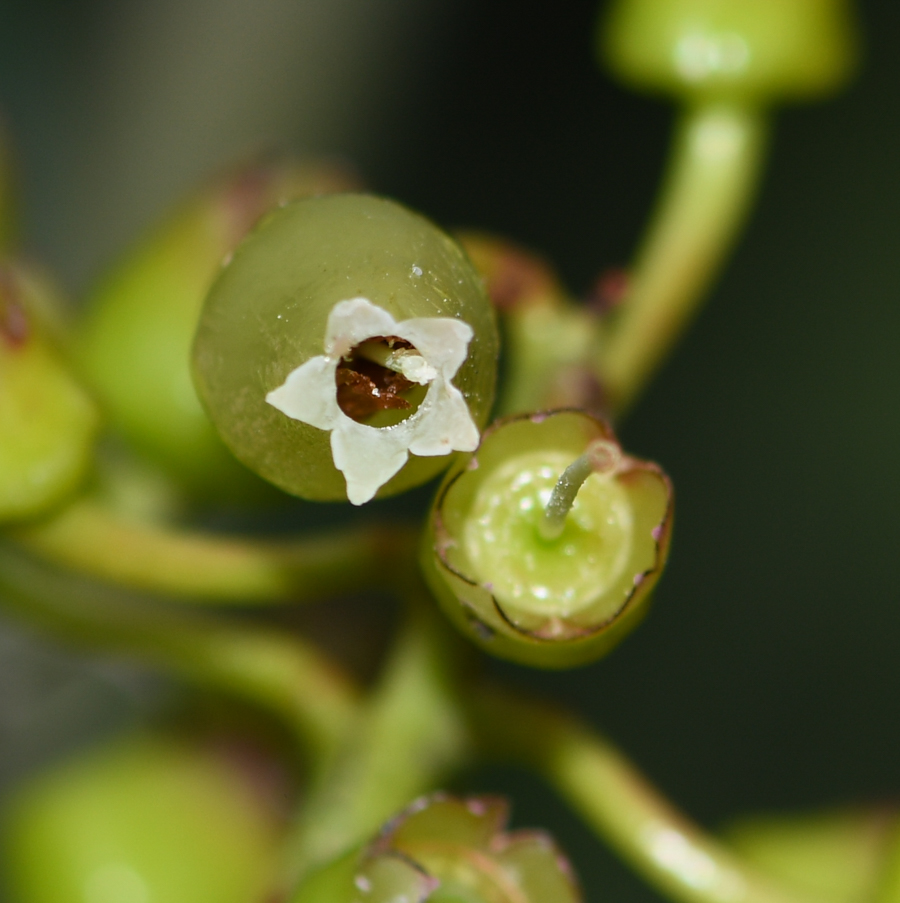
x,y
397,355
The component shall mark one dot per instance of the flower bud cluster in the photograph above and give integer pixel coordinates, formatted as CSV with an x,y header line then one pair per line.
x,y
444,850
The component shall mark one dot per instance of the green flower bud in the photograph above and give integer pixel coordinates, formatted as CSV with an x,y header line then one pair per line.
x,y
545,546
47,421
719,49
837,857
347,350
136,338
448,850
147,819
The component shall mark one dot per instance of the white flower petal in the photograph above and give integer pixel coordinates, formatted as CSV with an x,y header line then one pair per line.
x,y
309,394
367,457
442,341
443,423
354,321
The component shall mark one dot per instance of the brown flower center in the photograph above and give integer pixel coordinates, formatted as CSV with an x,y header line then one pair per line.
x,y
366,388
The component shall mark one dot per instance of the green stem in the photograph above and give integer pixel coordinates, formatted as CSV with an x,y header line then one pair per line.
x,y
411,736
706,196
92,539
276,671
671,852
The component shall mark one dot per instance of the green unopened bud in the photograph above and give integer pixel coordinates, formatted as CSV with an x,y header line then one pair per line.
x,y
47,421
447,850
836,857
347,350
148,819
717,49
544,547
136,340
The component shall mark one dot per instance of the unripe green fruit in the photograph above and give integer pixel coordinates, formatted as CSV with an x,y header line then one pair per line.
x,y
549,600
144,820
448,850
136,337
47,420
759,50
294,300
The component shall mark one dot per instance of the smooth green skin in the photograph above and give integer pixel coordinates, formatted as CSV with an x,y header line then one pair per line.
x,y
757,50
47,421
267,313
836,857
470,605
135,341
146,819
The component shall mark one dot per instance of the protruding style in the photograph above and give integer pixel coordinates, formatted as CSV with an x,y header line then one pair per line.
x,y
545,546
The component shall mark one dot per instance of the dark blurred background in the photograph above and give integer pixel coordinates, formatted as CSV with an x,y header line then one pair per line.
x,y
767,677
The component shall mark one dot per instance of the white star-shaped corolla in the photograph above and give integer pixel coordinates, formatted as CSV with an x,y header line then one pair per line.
x,y
369,456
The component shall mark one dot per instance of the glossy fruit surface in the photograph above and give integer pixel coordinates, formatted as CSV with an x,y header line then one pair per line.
x,y
272,311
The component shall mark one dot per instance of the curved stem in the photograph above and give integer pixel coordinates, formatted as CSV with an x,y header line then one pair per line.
x,y
706,195
92,539
411,736
277,671
673,853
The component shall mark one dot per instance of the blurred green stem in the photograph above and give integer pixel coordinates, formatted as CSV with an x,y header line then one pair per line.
x,y
409,738
671,852
706,195
276,671
93,539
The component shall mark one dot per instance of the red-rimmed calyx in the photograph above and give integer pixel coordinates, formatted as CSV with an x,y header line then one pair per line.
x,y
545,546
448,850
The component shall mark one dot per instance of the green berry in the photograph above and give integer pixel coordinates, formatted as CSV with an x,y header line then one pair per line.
x,y
146,819
347,349
758,50
448,850
47,420
545,546
136,337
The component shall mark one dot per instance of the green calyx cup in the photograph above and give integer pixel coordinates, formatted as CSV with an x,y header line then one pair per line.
x,y
549,602
748,50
